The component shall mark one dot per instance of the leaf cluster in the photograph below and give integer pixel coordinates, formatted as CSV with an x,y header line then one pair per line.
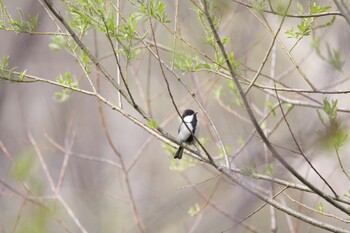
x,y
20,24
65,93
333,57
305,26
155,10
8,73
334,134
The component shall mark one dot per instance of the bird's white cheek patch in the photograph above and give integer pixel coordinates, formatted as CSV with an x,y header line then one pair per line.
x,y
188,118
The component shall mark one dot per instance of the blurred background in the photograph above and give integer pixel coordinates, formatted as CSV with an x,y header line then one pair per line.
x,y
169,195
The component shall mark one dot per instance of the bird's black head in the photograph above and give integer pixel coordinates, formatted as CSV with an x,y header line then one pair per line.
x,y
188,112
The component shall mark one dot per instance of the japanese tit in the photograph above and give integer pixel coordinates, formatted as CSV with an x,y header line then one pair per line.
x,y
185,134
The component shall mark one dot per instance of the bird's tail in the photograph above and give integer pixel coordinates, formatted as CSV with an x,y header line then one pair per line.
x,y
178,154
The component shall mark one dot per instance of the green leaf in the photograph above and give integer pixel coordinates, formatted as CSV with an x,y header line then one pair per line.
x,y
22,24
6,72
334,59
347,194
153,124
218,92
23,164
319,207
271,107
22,74
300,8
330,109
339,139
292,33
234,63
240,141
304,28
194,210
334,135
65,93
58,43
227,148
258,5
316,45
155,9
37,221
237,100
316,9
269,170
176,165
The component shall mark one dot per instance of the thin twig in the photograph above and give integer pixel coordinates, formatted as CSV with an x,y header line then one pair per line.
x,y
52,185
333,13
69,142
267,53
218,208
255,211
134,209
341,165
316,211
257,126
303,75
171,95
82,156
345,12
95,61
301,151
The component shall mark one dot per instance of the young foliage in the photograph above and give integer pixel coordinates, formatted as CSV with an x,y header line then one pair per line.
x,y
23,165
187,63
128,38
334,135
65,93
330,108
237,100
305,26
86,14
221,151
58,43
153,124
271,107
319,207
269,170
6,72
22,24
333,57
154,9
258,5
37,221
186,161
85,60
19,24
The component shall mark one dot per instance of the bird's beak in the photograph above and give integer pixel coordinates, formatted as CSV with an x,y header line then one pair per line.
x,y
195,113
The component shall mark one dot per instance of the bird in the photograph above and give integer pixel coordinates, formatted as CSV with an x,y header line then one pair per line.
x,y
185,134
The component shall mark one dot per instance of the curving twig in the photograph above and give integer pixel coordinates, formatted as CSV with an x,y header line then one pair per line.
x,y
256,124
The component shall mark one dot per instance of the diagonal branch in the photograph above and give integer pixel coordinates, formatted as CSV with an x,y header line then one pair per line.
x,y
256,124
300,150
267,53
345,12
50,6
